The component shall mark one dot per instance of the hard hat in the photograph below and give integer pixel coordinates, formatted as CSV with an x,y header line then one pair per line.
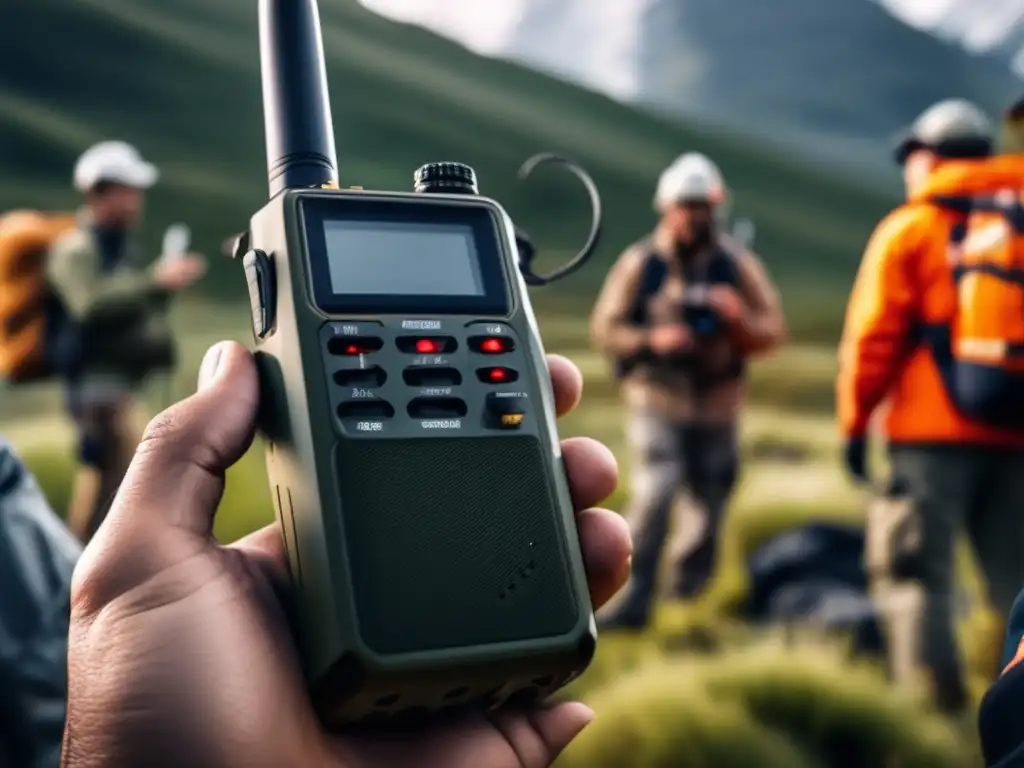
x,y
691,178
116,162
951,128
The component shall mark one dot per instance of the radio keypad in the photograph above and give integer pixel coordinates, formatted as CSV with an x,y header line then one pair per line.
x,y
373,376
426,345
506,410
492,345
366,409
497,375
431,376
355,345
432,394
437,408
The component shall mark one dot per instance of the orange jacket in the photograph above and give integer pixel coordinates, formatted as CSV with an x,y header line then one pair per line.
x,y
904,283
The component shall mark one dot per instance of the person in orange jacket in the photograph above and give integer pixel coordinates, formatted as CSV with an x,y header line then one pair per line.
x,y
999,723
911,341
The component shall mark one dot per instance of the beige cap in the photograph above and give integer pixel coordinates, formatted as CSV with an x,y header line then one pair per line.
x,y
951,128
692,177
113,161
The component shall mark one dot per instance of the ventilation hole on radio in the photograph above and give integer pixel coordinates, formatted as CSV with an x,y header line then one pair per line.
x,y
375,719
412,714
456,693
524,697
448,712
491,699
544,681
386,702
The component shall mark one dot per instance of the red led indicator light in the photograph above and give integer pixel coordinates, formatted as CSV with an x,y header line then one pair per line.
x,y
497,374
427,346
492,346
352,349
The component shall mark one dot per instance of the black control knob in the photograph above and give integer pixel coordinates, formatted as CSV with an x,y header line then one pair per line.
x,y
445,178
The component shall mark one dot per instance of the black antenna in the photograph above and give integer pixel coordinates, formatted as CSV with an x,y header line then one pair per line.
x,y
296,105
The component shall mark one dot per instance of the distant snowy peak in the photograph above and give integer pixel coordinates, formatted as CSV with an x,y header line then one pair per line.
x,y
595,43
601,43
831,78
980,26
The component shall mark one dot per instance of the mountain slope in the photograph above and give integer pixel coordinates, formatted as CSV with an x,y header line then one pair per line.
x,y
833,78
180,79
837,71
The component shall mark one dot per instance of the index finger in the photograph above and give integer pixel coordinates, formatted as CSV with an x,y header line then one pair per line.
x,y
567,382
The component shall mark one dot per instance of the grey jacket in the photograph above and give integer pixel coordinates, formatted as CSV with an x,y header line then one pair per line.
x,y
37,556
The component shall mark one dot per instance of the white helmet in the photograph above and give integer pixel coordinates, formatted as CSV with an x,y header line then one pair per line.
x,y
692,177
113,161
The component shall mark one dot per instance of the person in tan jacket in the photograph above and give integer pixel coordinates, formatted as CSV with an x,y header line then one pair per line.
x,y
679,314
114,332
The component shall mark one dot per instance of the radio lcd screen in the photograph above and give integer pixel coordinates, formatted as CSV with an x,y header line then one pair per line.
x,y
403,257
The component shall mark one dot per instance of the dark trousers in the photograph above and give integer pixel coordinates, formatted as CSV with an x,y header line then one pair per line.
x,y
945,491
107,438
672,459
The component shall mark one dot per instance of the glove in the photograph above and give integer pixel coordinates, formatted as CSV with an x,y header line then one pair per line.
x,y
855,456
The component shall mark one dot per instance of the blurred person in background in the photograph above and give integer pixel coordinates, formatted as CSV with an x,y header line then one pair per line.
x,y
679,314
37,557
1000,725
931,326
116,331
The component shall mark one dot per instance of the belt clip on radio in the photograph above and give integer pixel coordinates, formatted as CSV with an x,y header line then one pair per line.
x,y
409,421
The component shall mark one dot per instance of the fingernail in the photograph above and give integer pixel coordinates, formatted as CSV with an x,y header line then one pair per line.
x,y
211,364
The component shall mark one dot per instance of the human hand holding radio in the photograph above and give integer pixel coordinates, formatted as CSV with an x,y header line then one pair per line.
x,y
181,651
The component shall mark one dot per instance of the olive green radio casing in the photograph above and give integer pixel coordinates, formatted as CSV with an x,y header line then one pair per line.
x,y
418,480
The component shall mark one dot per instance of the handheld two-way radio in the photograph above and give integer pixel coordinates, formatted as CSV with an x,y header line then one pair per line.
x,y
409,420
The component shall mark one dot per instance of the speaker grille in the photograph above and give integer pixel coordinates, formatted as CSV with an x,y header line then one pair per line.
x,y
453,543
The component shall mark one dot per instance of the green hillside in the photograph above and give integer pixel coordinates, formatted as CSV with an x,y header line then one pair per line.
x,y
180,79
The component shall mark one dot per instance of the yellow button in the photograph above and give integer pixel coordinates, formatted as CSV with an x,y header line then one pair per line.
x,y
511,419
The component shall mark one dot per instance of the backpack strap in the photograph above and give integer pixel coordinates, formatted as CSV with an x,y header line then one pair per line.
x,y
652,275
1011,206
723,268
1012,209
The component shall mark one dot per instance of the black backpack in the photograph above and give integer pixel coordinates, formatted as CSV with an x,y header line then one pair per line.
x,y
721,270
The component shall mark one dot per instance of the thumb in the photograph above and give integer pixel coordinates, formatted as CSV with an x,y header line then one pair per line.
x,y
176,479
